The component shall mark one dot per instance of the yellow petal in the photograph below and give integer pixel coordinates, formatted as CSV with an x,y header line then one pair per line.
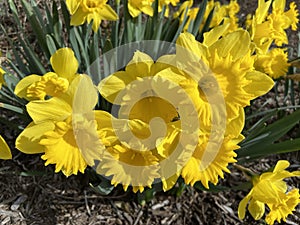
x,y
236,126
140,65
4,149
260,83
214,34
187,46
78,18
82,103
28,140
107,13
21,88
170,182
64,63
111,86
256,209
243,205
72,5
281,165
236,44
54,109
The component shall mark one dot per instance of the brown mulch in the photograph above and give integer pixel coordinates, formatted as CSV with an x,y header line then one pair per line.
x,y
33,194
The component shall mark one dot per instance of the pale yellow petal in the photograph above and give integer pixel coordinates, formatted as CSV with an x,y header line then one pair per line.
x,y
64,63
28,140
256,209
140,65
111,86
72,5
236,44
260,83
78,18
54,109
21,88
4,149
85,97
243,205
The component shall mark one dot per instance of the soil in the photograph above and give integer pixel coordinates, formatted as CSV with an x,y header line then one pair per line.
x,y
33,194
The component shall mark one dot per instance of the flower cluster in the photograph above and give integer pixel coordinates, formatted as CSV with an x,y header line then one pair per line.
x,y
268,28
270,189
222,14
164,116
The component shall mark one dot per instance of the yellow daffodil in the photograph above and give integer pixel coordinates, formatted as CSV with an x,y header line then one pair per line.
x,y
35,87
221,12
229,66
90,10
274,63
128,161
211,157
266,28
64,128
144,94
270,189
225,14
166,3
186,10
4,149
135,7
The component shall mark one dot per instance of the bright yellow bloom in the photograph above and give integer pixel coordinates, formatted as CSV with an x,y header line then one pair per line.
x,y
225,14
274,63
128,161
266,28
230,68
270,189
90,10
35,87
163,112
186,10
135,7
64,128
4,149
211,157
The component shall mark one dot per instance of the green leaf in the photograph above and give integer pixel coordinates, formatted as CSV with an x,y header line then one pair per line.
x,y
51,44
206,26
199,18
14,10
36,27
262,142
104,188
12,108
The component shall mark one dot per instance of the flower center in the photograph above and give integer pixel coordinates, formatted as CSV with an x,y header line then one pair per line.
x,y
207,86
91,5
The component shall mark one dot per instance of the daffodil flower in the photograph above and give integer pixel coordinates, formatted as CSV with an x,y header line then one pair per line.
x,y
90,10
144,94
35,87
135,7
229,67
64,128
266,28
274,63
220,69
4,149
270,189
